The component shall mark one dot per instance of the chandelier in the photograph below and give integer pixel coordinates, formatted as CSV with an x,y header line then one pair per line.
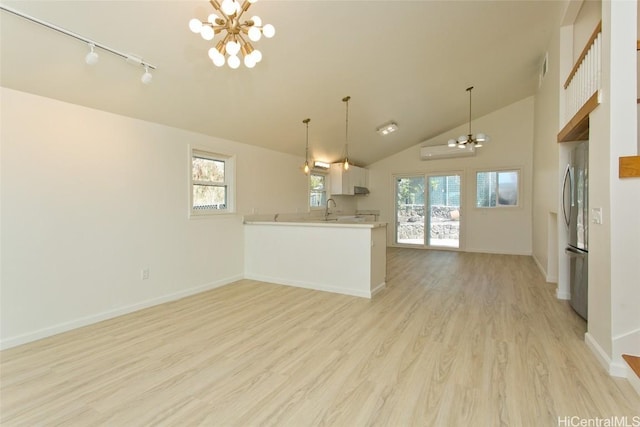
x,y
467,140
235,30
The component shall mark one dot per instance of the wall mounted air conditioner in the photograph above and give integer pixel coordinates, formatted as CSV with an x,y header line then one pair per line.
x,y
434,152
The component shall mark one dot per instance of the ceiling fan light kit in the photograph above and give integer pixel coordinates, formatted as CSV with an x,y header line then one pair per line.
x,y
469,140
228,20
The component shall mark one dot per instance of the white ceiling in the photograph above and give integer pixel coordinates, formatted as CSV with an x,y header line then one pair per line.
x,y
406,61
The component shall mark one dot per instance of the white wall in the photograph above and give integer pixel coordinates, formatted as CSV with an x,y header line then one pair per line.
x,y
90,198
486,230
545,166
585,22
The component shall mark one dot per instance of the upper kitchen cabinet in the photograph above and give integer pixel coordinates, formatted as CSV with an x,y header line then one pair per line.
x,y
349,182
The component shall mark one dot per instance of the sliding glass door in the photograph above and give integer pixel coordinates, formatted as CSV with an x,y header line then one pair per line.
x,y
444,210
410,220
428,210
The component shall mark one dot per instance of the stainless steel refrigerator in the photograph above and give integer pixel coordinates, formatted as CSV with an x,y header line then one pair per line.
x,y
575,208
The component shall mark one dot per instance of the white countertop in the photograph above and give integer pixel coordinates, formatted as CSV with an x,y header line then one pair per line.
x,y
319,223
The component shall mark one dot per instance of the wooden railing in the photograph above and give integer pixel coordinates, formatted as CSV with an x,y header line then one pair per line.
x,y
581,89
629,166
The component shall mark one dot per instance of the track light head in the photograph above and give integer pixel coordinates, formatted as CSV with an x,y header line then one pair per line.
x,y
147,76
92,57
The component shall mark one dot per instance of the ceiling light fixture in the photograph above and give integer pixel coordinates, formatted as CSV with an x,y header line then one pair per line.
x,y
321,165
147,76
233,41
307,169
91,57
466,140
387,128
345,165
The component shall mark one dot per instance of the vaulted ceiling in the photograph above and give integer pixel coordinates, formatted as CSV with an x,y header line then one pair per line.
x,y
406,61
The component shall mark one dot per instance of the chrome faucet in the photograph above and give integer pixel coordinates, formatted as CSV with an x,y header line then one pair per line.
x,y
326,212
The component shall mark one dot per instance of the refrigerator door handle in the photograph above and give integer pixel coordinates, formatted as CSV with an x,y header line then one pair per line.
x,y
567,175
574,252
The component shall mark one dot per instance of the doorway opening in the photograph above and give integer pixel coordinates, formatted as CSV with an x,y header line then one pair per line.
x,y
428,210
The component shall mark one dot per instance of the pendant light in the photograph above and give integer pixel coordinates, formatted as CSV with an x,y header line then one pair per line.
x,y
306,168
345,165
465,141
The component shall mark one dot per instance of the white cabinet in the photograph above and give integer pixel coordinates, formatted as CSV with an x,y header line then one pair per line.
x,y
343,182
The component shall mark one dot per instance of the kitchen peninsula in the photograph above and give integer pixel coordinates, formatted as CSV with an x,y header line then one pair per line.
x,y
346,257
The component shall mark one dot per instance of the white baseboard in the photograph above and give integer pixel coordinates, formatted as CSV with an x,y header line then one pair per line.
x,y
615,369
540,267
562,295
110,314
378,288
484,251
633,379
316,286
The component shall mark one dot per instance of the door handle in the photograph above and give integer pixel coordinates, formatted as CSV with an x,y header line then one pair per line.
x,y
574,252
567,174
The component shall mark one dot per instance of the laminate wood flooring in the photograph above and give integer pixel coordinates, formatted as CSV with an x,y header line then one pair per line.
x,y
456,339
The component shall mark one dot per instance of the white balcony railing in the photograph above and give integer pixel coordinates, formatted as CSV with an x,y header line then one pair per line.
x,y
584,80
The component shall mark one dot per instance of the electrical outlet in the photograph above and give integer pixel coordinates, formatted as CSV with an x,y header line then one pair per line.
x,y
144,273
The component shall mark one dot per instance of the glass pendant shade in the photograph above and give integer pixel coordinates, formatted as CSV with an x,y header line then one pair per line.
x,y
195,25
257,21
254,34
232,48
207,32
233,62
228,7
269,31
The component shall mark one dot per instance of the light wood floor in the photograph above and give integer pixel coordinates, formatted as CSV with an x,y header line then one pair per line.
x,y
455,340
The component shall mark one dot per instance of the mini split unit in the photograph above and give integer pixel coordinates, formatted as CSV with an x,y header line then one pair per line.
x,y
434,152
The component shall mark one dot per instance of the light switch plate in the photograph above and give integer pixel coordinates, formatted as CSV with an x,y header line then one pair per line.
x,y
596,215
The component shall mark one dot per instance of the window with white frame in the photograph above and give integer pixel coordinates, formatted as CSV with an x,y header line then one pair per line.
x,y
498,188
211,183
317,190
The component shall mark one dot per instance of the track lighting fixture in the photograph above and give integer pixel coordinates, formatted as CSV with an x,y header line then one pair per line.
x,y
92,57
147,76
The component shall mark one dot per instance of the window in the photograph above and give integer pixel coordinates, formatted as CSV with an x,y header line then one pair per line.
x,y
211,183
497,188
317,190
